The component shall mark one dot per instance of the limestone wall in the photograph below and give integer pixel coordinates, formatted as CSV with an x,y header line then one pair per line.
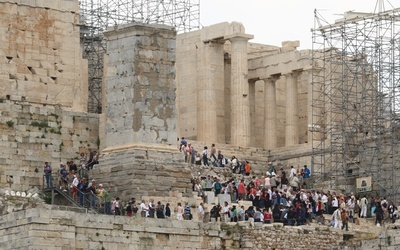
x,y
41,228
32,134
40,54
142,170
140,85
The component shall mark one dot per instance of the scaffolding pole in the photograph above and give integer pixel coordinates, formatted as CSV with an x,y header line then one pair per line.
x,y
356,101
98,15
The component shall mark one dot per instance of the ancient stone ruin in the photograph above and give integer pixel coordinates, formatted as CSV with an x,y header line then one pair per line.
x,y
211,85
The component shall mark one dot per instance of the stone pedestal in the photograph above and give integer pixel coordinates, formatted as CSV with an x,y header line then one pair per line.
x,y
292,114
224,197
240,110
140,90
210,197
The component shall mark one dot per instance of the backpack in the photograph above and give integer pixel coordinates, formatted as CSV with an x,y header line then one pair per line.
x,y
135,210
217,185
129,208
160,209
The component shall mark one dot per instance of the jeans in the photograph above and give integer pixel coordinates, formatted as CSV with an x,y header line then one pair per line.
x,y
81,198
205,160
49,180
92,201
107,208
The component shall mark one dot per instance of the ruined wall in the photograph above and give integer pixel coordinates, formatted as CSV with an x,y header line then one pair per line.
x,y
32,134
41,228
140,85
40,54
142,170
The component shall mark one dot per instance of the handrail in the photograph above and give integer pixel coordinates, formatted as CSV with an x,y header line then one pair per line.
x,y
82,199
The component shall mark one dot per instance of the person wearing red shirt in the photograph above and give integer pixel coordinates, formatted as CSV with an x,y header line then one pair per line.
x,y
242,190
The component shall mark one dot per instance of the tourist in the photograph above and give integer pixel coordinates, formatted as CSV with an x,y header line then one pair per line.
x,y
82,159
213,153
75,184
378,214
187,215
160,210
144,210
200,212
47,174
128,209
205,156
337,218
267,216
247,168
89,162
189,150
107,201
363,205
234,163
167,211
151,208
209,183
116,206
179,211
198,159
92,194
345,220
63,173
226,210
217,186
306,176
241,190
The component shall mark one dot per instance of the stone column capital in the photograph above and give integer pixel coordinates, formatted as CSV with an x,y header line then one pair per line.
x,y
293,73
238,37
272,78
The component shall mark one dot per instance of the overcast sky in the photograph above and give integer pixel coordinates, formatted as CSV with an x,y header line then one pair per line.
x,y
274,21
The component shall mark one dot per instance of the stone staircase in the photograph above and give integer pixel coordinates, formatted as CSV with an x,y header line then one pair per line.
x,y
258,157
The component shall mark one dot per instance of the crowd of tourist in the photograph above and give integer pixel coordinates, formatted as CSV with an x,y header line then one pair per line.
x,y
74,179
281,197
275,196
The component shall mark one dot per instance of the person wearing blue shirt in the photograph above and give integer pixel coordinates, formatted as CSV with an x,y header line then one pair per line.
x,y
306,176
307,172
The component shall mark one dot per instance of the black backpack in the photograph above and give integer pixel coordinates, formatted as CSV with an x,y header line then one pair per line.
x,y
129,208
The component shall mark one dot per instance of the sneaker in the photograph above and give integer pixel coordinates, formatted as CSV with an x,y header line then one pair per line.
x,y
65,190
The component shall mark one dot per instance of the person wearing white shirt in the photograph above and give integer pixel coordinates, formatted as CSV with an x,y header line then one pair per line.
x,y
200,211
226,211
144,209
292,172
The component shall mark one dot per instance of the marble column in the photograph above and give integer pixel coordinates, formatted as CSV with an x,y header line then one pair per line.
x,y
211,75
292,114
240,109
270,133
252,110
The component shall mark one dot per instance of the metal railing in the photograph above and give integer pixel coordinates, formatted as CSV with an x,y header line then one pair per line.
x,y
55,183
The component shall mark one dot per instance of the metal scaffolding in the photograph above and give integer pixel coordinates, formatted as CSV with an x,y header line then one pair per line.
x,y
356,101
97,15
